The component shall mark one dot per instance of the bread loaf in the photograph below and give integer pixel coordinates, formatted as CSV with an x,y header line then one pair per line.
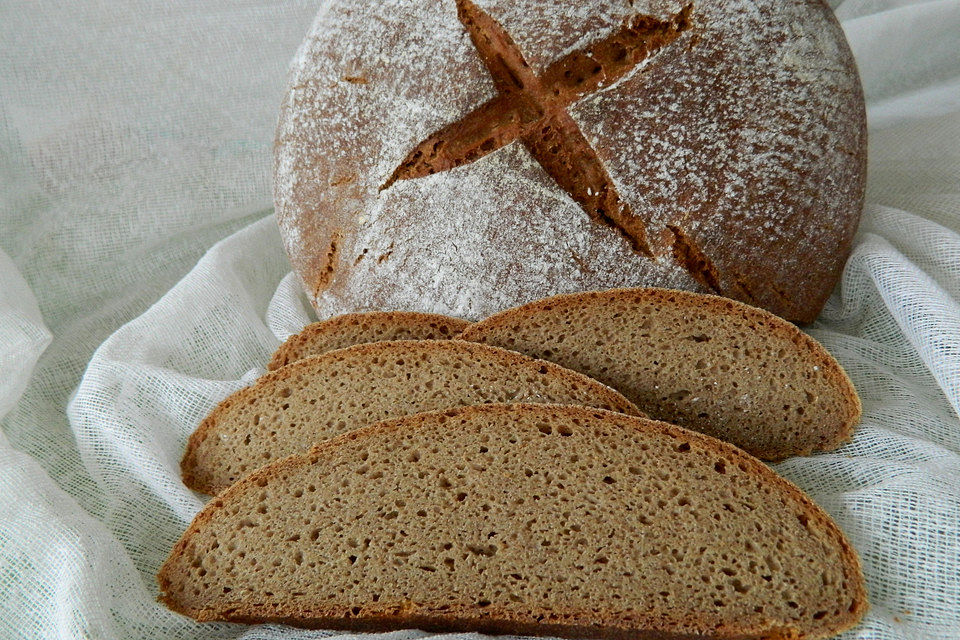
x,y
311,400
520,519
358,328
732,371
463,157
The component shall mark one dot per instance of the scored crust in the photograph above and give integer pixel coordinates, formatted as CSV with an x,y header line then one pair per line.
x,y
504,329
356,328
571,623
736,148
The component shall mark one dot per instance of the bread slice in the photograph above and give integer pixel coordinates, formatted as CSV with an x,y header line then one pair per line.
x,y
520,519
721,367
357,328
311,400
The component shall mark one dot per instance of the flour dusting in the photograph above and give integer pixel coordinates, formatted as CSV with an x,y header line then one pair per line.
x,y
746,133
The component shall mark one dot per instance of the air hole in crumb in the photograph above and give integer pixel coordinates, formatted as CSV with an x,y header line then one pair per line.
x,y
488,551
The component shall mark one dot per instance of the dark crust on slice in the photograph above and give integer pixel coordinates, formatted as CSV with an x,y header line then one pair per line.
x,y
427,324
462,621
721,306
498,621
478,351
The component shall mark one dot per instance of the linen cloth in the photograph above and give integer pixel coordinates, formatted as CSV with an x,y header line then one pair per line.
x,y
142,280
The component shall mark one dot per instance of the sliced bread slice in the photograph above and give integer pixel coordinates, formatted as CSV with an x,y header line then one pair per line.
x,y
358,328
287,411
721,367
520,519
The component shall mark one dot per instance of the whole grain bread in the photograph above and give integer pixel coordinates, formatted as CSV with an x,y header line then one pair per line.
x,y
358,328
721,367
289,410
520,519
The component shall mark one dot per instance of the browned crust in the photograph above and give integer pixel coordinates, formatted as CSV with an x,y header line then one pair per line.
x,y
798,295
465,619
858,186
812,350
292,349
613,626
207,428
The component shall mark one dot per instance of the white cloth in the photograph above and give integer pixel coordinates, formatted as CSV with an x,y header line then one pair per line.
x,y
135,135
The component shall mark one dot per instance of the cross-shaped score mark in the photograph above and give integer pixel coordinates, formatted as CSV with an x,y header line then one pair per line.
x,y
532,109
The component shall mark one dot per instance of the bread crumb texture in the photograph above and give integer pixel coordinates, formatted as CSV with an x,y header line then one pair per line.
x,y
318,398
721,367
525,519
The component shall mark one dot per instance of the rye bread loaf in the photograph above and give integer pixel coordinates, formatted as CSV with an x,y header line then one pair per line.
x,y
465,157
358,328
520,519
726,369
311,400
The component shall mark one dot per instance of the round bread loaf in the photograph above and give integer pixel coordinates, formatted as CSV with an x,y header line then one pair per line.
x,y
465,156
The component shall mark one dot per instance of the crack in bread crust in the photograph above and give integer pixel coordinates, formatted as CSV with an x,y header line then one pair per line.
x,y
533,110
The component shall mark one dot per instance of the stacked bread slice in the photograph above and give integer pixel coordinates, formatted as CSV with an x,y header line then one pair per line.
x,y
707,363
320,397
357,328
453,485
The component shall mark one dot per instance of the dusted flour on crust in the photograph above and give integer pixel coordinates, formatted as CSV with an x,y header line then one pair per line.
x,y
740,146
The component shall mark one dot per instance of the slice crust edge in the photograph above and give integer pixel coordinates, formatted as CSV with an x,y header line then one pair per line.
x,y
420,326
